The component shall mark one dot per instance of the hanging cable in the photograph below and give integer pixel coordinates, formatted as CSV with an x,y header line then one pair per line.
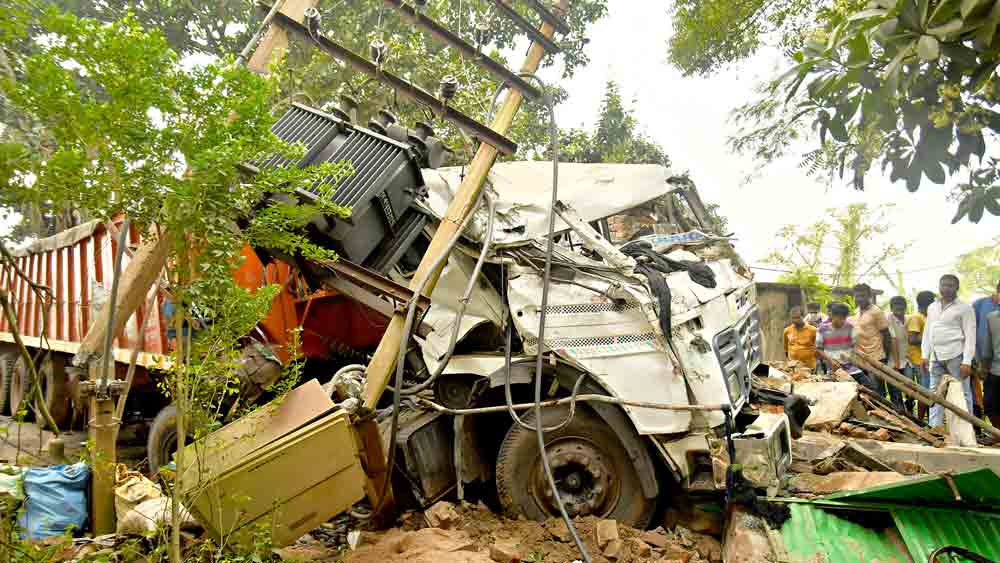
x,y
411,312
549,249
463,304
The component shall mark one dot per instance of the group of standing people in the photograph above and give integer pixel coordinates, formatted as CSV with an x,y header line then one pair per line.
x,y
944,336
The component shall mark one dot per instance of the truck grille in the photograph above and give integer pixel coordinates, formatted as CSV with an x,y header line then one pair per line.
x,y
739,351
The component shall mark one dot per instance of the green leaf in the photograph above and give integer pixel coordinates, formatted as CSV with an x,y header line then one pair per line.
x,y
960,54
865,14
982,75
976,208
910,16
912,178
984,35
838,129
953,26
928,48
934,171
969,6
858,51
992,204
962,211
894,68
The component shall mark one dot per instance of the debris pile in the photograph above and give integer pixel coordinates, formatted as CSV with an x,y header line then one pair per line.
x,y
474,534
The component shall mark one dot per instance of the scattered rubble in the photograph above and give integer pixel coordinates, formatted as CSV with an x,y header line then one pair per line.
x,y
480,535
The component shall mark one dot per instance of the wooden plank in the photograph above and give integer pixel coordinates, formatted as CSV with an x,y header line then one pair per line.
x,y
275,41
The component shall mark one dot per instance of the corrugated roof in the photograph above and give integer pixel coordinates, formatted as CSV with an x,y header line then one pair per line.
x,y
980,487
815,534
926,530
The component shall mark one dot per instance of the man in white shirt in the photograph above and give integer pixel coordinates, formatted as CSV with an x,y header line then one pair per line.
x,y
949,342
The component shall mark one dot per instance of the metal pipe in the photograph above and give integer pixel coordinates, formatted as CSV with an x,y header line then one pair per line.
x,y
588,398
548,17
403,87
526,26
437,30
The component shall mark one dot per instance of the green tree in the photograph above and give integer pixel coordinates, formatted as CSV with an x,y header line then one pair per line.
x,y
908,86
980,269
711,34
221,29
129,130
616,138
843,249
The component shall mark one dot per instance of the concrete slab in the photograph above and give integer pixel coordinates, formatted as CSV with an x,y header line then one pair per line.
x,y
830,402
842,481
812,445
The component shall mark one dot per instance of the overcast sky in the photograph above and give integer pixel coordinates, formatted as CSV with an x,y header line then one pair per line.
x,y
689,117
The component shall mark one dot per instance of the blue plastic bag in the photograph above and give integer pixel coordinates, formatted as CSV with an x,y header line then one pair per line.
x,y
57,500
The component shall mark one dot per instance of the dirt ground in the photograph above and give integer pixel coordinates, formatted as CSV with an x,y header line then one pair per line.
x,y
27,444
477,535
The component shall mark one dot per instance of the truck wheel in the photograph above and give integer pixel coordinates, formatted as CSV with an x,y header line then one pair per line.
x,y
55,388
591,468
8,356
20,384
162,441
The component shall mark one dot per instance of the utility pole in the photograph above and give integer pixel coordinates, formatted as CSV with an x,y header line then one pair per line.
x,y
383,363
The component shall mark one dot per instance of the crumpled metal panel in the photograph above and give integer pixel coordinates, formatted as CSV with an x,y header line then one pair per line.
x,y
817,535
613,341
523,191
925,530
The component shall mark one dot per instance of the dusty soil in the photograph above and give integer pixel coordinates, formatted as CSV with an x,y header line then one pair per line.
x,y
477,530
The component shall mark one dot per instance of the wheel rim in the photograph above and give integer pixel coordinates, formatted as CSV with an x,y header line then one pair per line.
x,y
585,478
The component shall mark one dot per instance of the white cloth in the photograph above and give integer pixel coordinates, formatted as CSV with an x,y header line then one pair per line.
x,y
950,332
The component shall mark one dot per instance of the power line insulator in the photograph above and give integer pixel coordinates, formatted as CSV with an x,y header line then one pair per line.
x,y
482,33
378,50
449,87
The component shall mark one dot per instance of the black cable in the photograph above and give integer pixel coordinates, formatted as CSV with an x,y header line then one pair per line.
x,y
549,249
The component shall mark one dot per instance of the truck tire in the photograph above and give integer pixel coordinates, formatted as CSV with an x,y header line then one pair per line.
x,y
591,467
55,388
20,384
8,356
162,441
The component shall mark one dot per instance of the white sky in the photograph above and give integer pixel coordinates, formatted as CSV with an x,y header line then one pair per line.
x,y
689,117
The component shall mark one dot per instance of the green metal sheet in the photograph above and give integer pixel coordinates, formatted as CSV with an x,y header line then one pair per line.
x,y
926,530
817,535
978,487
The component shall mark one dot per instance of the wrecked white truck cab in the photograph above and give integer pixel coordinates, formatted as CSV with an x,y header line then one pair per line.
x,y
665,326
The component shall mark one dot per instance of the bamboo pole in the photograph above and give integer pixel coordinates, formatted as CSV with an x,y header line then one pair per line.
x,y
925,396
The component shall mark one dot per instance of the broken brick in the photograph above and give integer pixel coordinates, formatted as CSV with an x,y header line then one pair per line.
x,y
505,551
654,538
639,548
606,531
442,515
